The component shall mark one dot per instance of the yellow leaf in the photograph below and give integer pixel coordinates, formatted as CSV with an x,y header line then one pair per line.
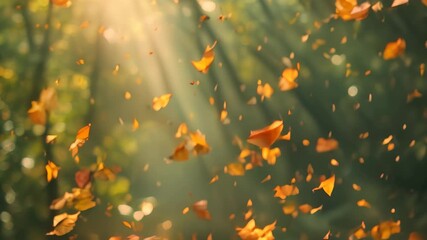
x,y
51,171
394,49
161,102
206,61
270,155
385,229
287,81
63,224
327,185
286,190
37,113
265,91
235,169
182,130
266,136
50,138
251,232
198,141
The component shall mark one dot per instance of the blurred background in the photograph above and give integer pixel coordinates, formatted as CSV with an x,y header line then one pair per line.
x,y
107,60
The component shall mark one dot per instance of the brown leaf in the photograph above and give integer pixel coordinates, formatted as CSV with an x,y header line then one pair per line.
x,y
63,224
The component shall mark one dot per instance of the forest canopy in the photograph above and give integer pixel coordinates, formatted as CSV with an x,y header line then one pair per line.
x,y
213,119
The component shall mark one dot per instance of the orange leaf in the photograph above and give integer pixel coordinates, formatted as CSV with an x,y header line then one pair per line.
x,y
61,3
198,141
326,145
235,169
251,232
135,124
349,10
286,190
63,224
385,229
51,171
37,113
270,155
394,49
266,136
327,185
161,102
208,57
201,209
83,133
399,2
180,153
265,91
287,81
363,203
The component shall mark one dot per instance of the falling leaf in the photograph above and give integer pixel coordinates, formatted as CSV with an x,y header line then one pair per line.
x,y
61,3
286,190
51,138
135,124
198,141
360,233
398,2
185,210
327,236
81,138
201,209
235,169
266,179
266,136
63,224
385,229
105,173
180,153
305,208
414,94
203,18
287,81
326,145
251,232
59,203
161,102
314,210
51,171
83,198
377,6
208,57
37,113
363,203
349,10
327,185
214,179
265,91
387,140
270,155
82,177
182,130
394,49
